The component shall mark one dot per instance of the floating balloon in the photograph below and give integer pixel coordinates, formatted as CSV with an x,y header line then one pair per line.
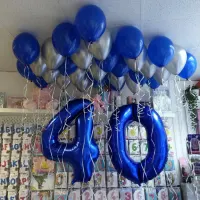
x,y
51,57
77,76
179,60
83,152
161,51
51,76
161,75
190,67
83,84
133,87
40,82
25,71
66,39
129,42
90,22
137,64
26,48
67,68
148,69
82,58
63,82
152,83
137,77
101,48
39,66
116,83
156,158
120,68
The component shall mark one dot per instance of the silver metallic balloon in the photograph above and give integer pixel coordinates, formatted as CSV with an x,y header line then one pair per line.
x,y
84,84
148,69
82,58
179,60
133,87
116,82
137,64
63,82
78,75
161,75
50,76
97,73
51,57
39,66
101,48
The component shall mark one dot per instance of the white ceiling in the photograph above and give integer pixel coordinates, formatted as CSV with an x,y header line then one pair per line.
x,y
177,19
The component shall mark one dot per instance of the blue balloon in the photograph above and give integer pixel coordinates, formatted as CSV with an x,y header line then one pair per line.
x,y
120,68
112,87
152,83
137,77
40,82
90,22
109,63
190,67
129,42
157,155
66,39
161,51
25,71
83,152
96,83
67,68
26,48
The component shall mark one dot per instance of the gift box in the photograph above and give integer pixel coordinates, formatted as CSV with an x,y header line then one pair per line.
x,y
134,147
162,193
113,194
160,179
61,180
87,194
150,194
112,179
15,102
138,194
126,194
174,193
99,179
100,194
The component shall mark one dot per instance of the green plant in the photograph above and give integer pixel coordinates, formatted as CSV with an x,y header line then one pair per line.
x,y
191,98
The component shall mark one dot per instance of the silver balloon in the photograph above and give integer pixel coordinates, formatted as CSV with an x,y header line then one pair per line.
x,y
63,82
82,58
179,60
51,57
137,64
51,76
161,75
39,66
84,84
116,82
148,69
133,87
101,48
97,73
78,75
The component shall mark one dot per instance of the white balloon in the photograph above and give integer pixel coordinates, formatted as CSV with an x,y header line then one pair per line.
x,y
50,76
133,87
148,69
116,82
39,66
161,75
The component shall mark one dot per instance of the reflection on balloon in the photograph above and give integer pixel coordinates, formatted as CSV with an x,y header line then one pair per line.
x,y
155,160
63,82
51,76
133,87
76,76
161,75
117,83
83,152
83,84
67,68
148,69
39,66
120,68
152,83
51,57
137,77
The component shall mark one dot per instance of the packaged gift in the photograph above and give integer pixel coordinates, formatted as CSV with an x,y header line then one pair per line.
x,y
26,147
134,147
61,180
74,195
24,194
170,165
4,180
37,145
113,194
70,178
101,146
24,179
14,163
99,131
3,194
143,147
60,195
5,163
13,181
160,179
142,133
174,193
150,194
25,164
132,131
126,194
99,179
100,194
6,144
16,147
44,195
87,194
162,193
7,131
15,102
138,194
17,131
193,143
110,167
171,178
112,179
123,182
12,195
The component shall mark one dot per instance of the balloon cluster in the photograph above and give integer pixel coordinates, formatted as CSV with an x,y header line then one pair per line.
x,y
85,52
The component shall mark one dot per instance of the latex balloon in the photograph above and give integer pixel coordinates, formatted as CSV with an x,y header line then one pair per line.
x,y
101,48
137,77
26,48
161,75
67,68
190,67
82,58
148,69
51,57
90,22
152,83
83,84
133,87
161,51
25,71
77,76
83,152
154,163
39,66
109,63
120,68
63,82
179,60
66,39
129,42
40,82
51,76
117,83
97,73
137,64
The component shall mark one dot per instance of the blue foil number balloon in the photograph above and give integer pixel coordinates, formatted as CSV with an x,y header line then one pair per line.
x,y
83,152
156,158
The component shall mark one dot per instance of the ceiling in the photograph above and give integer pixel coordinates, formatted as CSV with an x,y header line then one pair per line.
x,y
177,19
